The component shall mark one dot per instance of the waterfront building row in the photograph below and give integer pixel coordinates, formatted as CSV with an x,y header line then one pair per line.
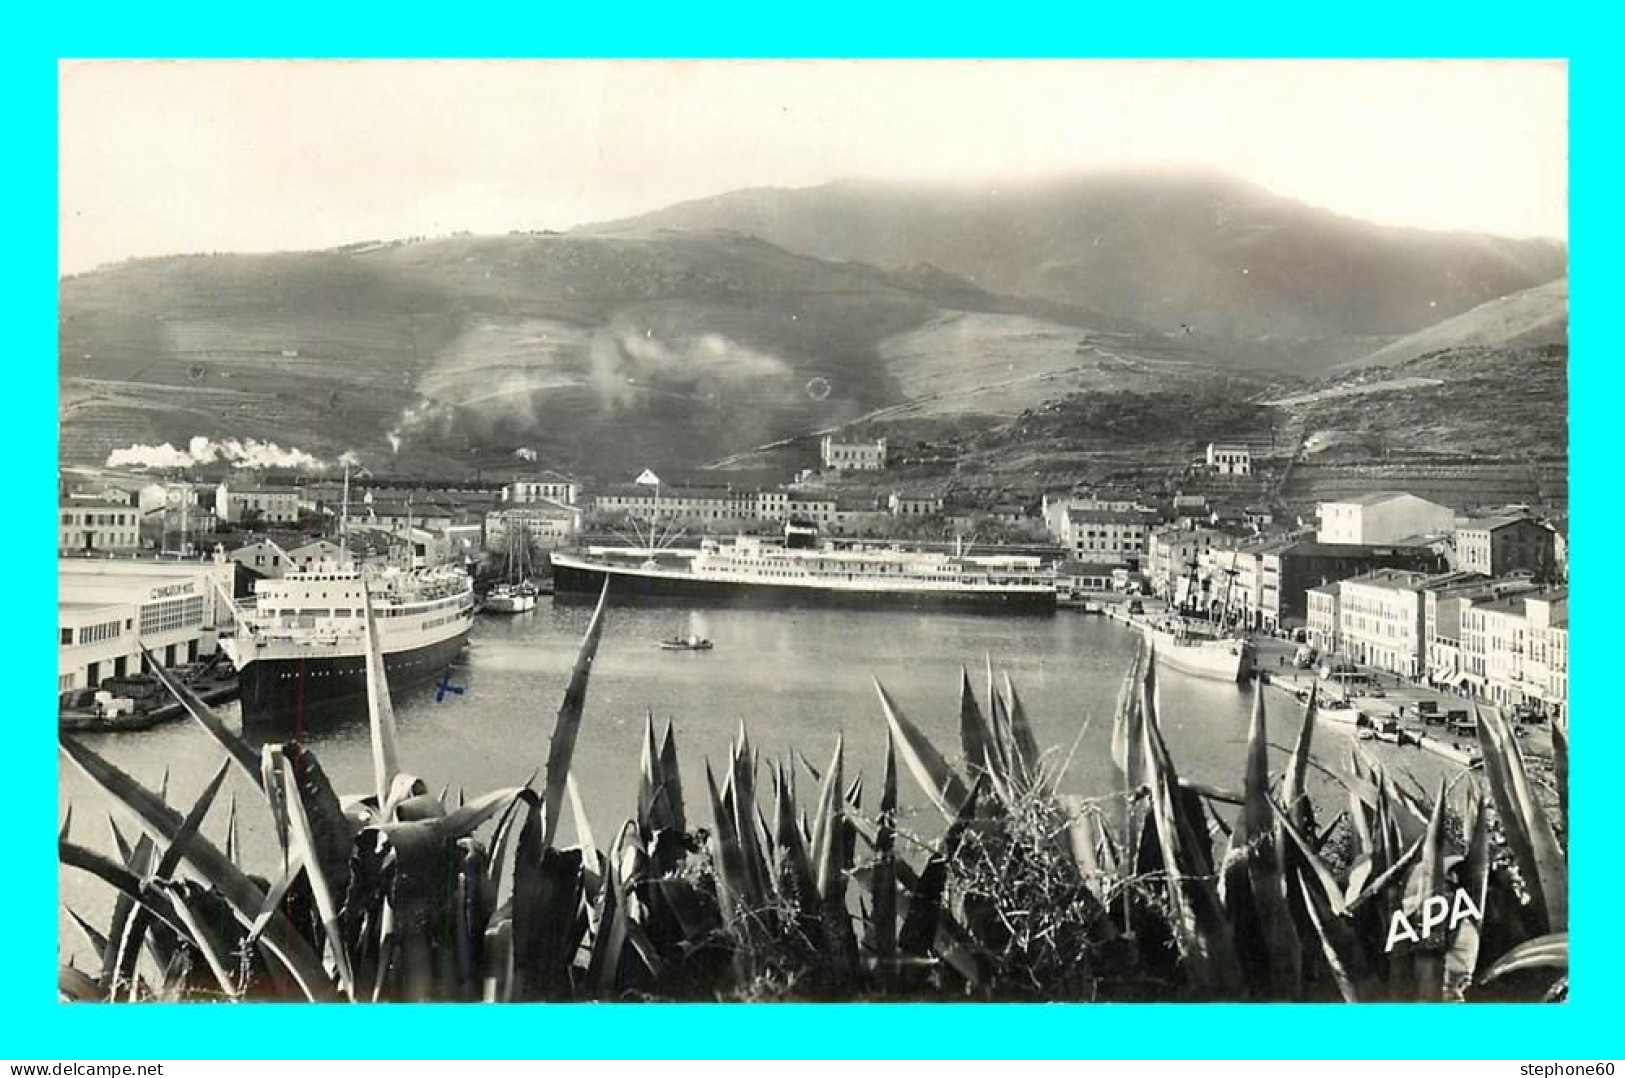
x,y
1501,639
109,607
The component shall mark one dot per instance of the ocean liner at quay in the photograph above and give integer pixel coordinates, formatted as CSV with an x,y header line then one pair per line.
x,y
301,650
800,572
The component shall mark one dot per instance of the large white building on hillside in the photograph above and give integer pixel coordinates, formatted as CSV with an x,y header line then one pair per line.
x,y
1382,517
852,456
546,487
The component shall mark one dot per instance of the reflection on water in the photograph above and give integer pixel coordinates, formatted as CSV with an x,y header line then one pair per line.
x,y
795,678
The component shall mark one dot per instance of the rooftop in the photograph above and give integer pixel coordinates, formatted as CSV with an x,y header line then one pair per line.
x,y
1376,497
401,509
541,506
634,490
546,476
1108,516
1495,523
76,609
1399,579
1310,548
1421,540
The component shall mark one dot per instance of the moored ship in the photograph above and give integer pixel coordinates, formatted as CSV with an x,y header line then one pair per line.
x,y
801,572
300,649
1198,650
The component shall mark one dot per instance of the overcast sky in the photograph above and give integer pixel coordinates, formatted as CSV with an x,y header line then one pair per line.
x,y
168,157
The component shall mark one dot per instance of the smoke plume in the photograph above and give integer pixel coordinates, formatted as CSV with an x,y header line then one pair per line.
x,y
247,453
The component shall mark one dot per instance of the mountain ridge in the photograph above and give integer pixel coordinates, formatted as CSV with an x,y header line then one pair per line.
x,y
1249,263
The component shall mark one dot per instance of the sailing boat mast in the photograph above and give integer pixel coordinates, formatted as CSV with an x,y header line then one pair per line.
x,y
1230,582
344,516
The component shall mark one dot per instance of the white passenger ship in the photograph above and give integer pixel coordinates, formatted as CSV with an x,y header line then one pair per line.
x,y
799,571
300,648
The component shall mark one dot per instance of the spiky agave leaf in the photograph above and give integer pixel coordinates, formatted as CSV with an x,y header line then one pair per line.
x,y
999,726
793,872
1543,952
1206,944
76,986
827,815
673,785
752,838
94,939
1294,792
139,860
1254,844
578,811
925,915
384,738
1341,946
607,971
831,859
498,966
236,748
549,919
1325,879
231,829
1427,880
135,935
1560,771
471,915
1128,737
561,748
1461,957
975,738
1528,829
317,861
276,794
945,789
239,891
451,826
201,936
883,883
734,880
1023,743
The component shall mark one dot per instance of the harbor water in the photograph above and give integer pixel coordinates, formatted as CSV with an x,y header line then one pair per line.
x,y
795,678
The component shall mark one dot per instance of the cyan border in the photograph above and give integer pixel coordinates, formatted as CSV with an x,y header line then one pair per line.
x,y
37,1027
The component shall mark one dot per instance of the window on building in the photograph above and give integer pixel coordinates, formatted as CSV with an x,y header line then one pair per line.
x,y
67,636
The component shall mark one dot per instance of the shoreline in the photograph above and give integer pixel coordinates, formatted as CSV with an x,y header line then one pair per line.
x,y
1343,717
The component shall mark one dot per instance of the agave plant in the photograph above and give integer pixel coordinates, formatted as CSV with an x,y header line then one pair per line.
x,y
1159,889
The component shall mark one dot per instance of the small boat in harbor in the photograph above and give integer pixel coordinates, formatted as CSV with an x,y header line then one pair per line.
x,y
517,594
692,642
510,599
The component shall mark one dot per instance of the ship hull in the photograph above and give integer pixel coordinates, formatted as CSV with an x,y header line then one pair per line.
x,y
582,582
513,604
1216,661
296,692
